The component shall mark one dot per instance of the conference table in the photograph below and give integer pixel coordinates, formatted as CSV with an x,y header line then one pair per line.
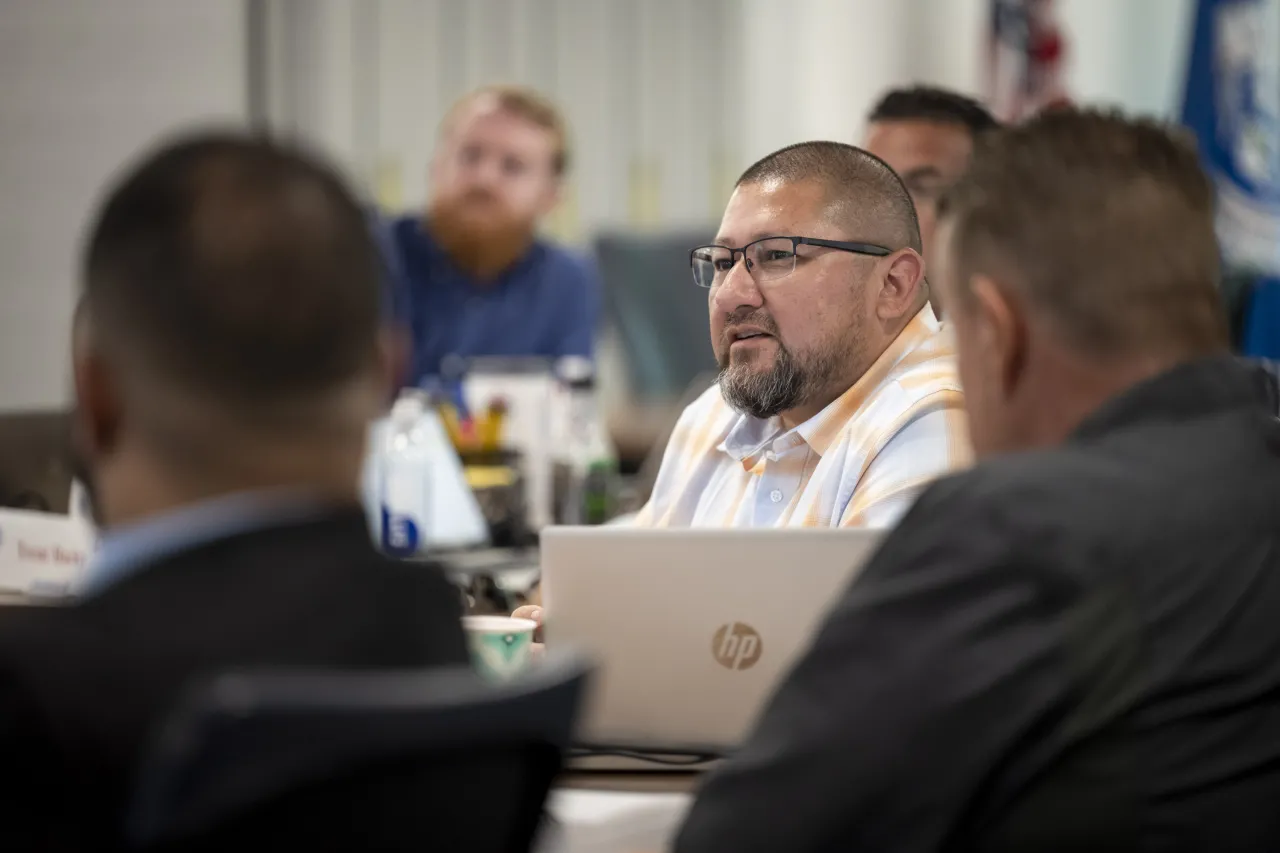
x,y
615,812
596,811
496,579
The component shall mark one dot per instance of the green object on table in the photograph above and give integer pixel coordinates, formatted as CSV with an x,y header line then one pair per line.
x,y
598,503
500,645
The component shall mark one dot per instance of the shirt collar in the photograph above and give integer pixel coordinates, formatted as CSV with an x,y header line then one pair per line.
x,y
125,550
749,437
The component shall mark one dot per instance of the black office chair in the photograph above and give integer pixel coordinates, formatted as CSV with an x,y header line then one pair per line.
x,y
358,761
1267,372
36,460
659,315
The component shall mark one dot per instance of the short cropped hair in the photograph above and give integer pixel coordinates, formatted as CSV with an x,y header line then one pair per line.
x,y
1104,224
928,103
528,105
861,189
235,268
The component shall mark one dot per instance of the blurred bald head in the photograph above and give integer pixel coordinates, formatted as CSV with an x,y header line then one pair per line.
x,y
231,309
237,269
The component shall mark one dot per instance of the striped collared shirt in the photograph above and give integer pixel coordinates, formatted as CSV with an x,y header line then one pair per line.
x,y
860,462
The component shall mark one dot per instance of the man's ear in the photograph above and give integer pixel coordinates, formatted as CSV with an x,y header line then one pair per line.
x,y
999,331
98,402
901,285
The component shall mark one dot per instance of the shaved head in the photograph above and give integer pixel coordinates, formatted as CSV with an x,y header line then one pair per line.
x,y
863,194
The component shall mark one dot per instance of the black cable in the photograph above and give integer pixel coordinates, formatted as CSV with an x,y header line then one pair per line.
x,y
667,758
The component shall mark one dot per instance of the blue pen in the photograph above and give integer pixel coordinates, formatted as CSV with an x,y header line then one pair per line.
x,y
459,399
453,369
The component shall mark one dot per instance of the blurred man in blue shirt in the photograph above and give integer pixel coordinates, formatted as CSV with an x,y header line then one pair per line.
x,y
470,277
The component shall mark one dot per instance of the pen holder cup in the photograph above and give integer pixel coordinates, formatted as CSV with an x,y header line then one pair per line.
x,y
496,478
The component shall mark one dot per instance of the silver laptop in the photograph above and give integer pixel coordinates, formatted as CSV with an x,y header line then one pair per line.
x,y
691,629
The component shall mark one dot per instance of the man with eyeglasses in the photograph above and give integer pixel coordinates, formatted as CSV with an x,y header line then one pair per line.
x,y
837,399
1073,645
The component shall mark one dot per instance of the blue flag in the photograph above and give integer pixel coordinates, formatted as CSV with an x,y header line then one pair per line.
x,y
1232,104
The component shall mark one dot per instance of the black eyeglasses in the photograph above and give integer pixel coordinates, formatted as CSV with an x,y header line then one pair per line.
x,y
767,258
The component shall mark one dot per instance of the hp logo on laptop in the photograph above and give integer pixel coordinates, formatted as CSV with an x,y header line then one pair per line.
x,y
737,646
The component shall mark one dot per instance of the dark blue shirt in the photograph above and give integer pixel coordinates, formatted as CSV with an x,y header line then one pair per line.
x,y
546,304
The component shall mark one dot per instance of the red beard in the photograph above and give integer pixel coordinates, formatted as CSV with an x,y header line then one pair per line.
x,y
482,238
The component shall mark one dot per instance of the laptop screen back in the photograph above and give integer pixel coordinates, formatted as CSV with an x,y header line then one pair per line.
x,y
691,629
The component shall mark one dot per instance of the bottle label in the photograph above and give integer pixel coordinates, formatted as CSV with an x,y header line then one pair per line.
x,y
404,507
400,535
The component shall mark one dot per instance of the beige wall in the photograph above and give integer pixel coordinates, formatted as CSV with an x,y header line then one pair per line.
x,y
83,85
668,100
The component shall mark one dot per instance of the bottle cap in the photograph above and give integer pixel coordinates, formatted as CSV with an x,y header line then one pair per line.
x,y
408,409
576,371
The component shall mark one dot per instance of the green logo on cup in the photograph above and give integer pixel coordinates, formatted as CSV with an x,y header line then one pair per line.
x,y
499,644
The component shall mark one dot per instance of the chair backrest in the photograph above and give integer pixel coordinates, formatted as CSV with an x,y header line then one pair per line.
x,y
358,760
35,460
659,314
1269,380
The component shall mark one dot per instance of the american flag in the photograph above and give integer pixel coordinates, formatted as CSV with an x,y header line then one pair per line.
x,y
1025,59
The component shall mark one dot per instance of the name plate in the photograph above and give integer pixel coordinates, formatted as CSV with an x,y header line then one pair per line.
x,y
43,554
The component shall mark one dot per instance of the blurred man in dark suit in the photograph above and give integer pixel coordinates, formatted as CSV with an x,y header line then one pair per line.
x,y
1073,646
228,358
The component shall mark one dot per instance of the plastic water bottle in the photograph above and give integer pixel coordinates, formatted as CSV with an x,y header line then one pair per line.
x,y
405,482
592,462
